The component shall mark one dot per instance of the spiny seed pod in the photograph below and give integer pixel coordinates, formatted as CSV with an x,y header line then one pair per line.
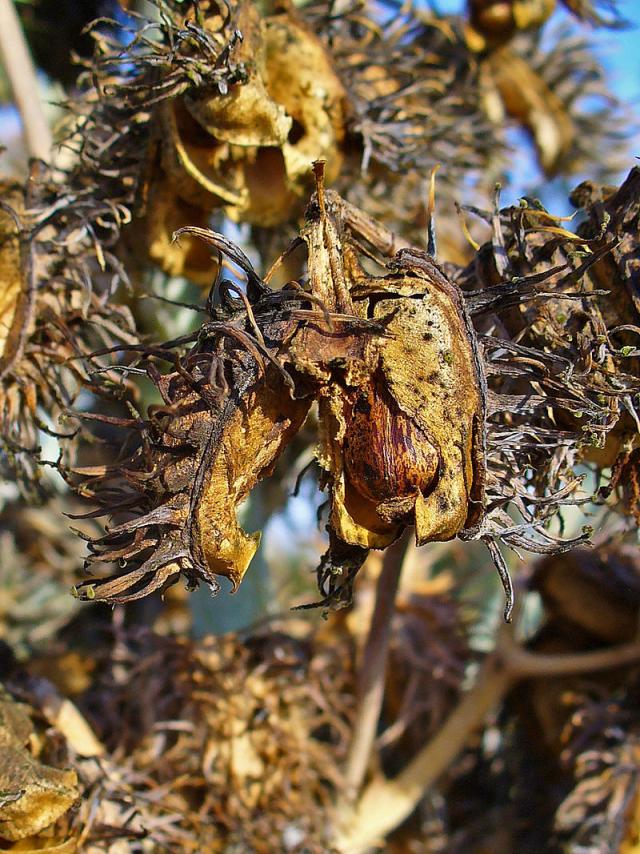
x,y
272,710
229,410
493,22
285,110
553,87
218,109
410,434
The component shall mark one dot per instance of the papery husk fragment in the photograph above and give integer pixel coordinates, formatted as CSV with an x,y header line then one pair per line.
x,y
32,795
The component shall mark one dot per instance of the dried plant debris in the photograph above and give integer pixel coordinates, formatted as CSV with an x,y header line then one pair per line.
x,y
40,556
423,681
494,22
216,108
553,86
221,745
56,309
423,420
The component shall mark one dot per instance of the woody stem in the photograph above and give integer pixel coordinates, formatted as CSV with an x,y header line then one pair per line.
x,y
21,73
374,667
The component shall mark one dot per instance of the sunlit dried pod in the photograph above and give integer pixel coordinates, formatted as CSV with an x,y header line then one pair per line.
x,y
245,149
494,454
230,407
601,811
323,88
402,409
556,90
492,22
411,433
33,795
381,94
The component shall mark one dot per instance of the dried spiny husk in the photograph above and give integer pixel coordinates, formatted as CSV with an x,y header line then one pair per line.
x,y
401,409
588,316
33,795
539,87
493,22
399,377
409,435
601,812
228,413
116,131
14,300
613,221
50,315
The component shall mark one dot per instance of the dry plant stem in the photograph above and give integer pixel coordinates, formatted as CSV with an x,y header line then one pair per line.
x,y
374,666
21,72
386,803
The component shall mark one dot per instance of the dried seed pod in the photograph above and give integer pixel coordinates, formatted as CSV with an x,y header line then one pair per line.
x,y
595,325
493,22
33,795
600,812
556,90
247,149
272,711
401,409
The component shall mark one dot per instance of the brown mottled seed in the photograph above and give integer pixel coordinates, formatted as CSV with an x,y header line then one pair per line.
x,y
387,455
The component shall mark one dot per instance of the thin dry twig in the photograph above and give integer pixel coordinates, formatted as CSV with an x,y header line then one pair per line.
x,y
374,666
21,72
